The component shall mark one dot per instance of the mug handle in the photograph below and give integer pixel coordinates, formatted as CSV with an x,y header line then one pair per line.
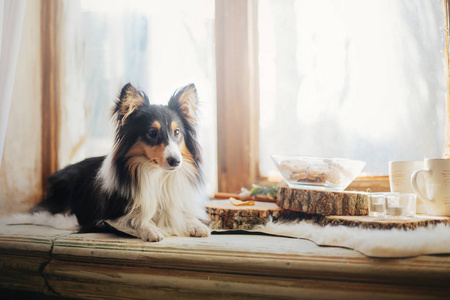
x,y
415,187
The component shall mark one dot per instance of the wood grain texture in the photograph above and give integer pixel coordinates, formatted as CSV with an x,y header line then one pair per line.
x,y
234,267
226,216
237,94
221,266
50,90
323,202
383,223
22,271
24,252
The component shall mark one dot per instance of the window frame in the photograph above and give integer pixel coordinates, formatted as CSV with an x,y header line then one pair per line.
x,y
237,94
50,12
239,166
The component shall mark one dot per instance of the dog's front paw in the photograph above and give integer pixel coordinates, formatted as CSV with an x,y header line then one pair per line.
x,y
150,233
199,230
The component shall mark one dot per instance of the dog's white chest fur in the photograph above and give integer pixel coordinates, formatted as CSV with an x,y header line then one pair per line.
x,y
165,203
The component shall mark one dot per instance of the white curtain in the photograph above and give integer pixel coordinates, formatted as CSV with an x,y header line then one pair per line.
x,y
11,20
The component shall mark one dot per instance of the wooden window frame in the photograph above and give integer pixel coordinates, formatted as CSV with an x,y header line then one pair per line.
x,y
50,12
238,103
237,94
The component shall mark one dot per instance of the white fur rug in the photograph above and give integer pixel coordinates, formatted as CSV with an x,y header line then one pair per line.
x,y
434,239
58,221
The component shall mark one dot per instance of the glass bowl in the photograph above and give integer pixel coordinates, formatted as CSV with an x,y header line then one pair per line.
x,y
318,173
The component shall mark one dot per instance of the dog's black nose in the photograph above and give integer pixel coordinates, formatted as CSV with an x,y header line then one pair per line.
x,y
173,161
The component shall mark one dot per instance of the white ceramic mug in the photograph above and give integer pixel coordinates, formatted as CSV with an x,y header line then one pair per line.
x,y
400,173
437,174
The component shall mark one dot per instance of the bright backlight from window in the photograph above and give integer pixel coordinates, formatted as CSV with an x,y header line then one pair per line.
x,y
355,79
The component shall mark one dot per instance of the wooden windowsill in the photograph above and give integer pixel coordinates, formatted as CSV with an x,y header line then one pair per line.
x,y
50,261
374,184
361,184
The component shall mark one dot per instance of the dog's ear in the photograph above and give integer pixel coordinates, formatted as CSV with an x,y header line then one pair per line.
x,y
185,102
130,100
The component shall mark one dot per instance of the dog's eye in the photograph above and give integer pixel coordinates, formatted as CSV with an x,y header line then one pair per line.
x,y
176,132
152,133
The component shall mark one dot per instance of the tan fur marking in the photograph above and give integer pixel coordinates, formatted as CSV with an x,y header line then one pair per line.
x,y
188,112
188,101
185,151
187,155
155,153
132,166
136,150
174,126
130,102
156,125
152,154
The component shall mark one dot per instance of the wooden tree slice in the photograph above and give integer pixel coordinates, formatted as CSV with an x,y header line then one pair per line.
x,y
323,202
384,223
225,215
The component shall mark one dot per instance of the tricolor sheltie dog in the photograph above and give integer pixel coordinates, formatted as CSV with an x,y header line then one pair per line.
x,y
151,182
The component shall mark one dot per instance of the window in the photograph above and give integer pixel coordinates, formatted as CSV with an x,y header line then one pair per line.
x,y
356,79
369,86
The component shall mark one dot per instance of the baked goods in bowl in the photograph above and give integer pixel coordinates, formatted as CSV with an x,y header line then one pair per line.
x,y
318,172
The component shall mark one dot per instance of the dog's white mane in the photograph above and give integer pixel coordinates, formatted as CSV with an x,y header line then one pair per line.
x,y
169,200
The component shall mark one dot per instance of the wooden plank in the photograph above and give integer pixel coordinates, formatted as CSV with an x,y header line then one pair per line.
x,y
323,202
230,267
120,281
237,94
24,252
50,96
22,271
245,266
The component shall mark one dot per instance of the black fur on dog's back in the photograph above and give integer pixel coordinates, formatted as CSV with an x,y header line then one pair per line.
x,y
74,190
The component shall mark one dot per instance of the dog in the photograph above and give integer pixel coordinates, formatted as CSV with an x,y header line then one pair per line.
x,y
151,182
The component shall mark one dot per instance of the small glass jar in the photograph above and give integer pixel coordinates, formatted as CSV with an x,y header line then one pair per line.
x,y
401,205
377,204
